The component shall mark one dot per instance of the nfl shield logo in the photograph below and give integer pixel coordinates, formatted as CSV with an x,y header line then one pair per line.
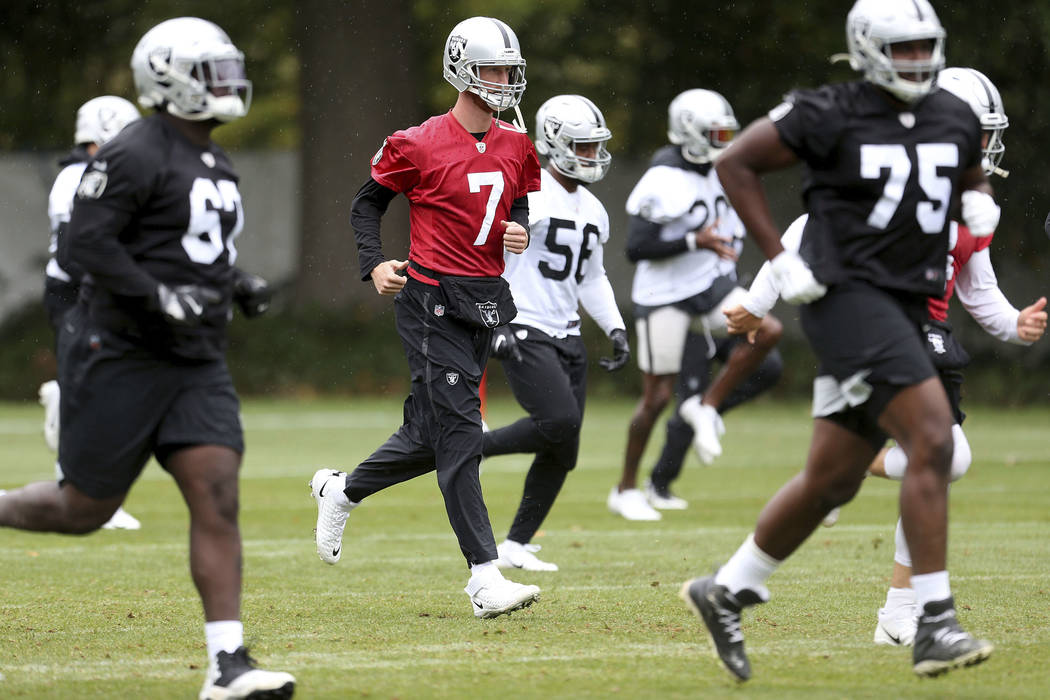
x,y
489,315
439,310
481,147
452,378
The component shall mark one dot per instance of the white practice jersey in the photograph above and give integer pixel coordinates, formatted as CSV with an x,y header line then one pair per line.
x,y
563,265
59,209
682,201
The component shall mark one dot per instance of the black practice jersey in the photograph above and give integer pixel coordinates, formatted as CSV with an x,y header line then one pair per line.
x,y
152,207
879,183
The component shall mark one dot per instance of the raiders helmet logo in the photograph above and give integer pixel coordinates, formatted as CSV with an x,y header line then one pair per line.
x,y
92,185
456,44
551,128
489,315
452,378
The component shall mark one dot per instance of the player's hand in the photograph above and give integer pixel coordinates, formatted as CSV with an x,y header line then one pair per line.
x,y
1031,322
184,305
387,278
740,321
515,237
795,280
721,245
621,351
505,345
252,293
980,213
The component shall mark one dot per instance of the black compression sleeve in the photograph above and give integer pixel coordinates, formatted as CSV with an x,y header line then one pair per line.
x,y
519,211
643,241
369,205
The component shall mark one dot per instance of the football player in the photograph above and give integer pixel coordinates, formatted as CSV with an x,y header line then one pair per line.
x,y
685,238
142,354
466,175
98,121
886,157
542,350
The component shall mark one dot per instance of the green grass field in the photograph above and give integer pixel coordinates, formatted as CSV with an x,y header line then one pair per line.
x,y
115,615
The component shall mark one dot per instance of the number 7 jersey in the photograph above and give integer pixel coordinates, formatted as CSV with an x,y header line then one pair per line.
x,y
879,183
459,190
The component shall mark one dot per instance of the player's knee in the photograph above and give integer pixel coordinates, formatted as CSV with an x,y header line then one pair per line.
x,y
770,332
657,398
559,426
961,456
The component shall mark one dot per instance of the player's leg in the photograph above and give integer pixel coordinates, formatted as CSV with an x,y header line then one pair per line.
x,y
550,384
47,506
661,339
834,470
703,413
200,443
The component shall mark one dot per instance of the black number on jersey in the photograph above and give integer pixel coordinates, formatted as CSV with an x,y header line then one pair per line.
x,y
929,213
551,241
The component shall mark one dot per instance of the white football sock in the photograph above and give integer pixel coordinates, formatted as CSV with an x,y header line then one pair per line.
x,y
223,635
903,555
897,597
931,587
895,463
749,568
487,572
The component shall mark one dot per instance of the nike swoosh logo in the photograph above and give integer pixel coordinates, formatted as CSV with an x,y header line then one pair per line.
x,y
896,640
335,552
320,494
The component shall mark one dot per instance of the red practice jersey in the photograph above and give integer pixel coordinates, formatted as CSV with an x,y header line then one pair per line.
x,y
962,245
460,189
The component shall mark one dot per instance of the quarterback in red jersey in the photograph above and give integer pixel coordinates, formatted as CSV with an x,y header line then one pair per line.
x,y
466,175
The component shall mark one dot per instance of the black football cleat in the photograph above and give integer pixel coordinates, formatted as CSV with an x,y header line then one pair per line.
x,y
720,611
942,645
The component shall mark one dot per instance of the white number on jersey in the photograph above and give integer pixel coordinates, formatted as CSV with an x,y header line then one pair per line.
x,y
874,158
493,179
203,240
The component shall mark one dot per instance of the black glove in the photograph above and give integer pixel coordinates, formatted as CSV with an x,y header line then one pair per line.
x,y
505,345
184,305
621,351
252,293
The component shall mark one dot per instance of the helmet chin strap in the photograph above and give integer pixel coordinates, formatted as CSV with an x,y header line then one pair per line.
x,y
519,121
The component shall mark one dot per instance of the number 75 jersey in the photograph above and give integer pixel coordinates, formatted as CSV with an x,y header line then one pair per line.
x,y
565,253
880,183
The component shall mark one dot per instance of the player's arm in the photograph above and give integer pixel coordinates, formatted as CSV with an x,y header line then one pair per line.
x,y
369,205
978,291
980,213
597,298
516,230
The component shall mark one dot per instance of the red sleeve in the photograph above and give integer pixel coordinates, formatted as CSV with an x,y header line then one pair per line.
x,y
392,166
980,243
530,171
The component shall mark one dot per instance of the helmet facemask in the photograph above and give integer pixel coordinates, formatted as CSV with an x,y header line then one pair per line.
x,y
498,96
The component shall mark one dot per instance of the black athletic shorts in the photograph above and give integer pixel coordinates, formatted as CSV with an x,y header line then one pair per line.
x,y
121,404
870,346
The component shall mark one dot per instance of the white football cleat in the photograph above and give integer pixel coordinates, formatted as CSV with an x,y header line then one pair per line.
x,y
235,677
122,520
897,623
325,486
492,596
49,398
832,517
514,555
631,504
663,499
707,428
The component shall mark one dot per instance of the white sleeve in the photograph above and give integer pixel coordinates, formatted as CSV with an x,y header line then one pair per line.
x,y
764,291
978,291
596,295
662,195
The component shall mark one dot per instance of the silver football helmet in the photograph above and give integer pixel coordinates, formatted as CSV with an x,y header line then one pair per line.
x,y
873,26
189,67
702,123
102,118
562,123
484,41
974,88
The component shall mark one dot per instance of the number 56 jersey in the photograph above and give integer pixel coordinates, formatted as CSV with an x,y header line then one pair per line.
x,y
564,263
880,183
153,207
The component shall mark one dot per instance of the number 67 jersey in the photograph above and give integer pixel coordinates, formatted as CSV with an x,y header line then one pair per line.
x,y
564,264
153,207
880,182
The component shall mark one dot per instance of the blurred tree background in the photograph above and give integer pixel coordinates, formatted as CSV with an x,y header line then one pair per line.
x,y
332,78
